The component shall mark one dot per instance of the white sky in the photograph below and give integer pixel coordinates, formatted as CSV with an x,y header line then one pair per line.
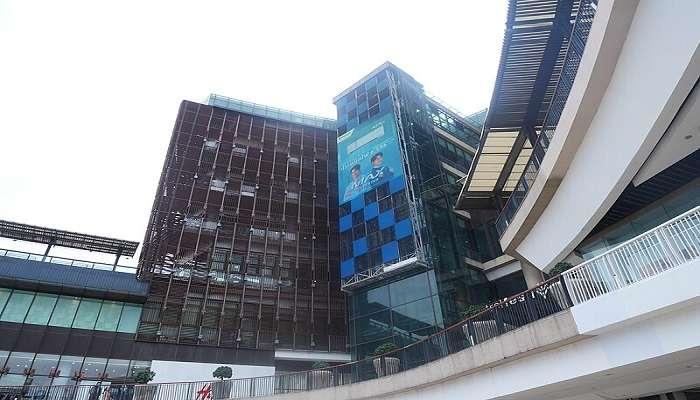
x,y
89,90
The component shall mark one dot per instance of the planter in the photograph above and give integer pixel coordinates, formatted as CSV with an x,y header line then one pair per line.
x,y
386,365
145,392
221,389
321,379
483,330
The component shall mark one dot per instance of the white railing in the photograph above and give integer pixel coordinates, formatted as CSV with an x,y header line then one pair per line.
x,y
66,261
667,246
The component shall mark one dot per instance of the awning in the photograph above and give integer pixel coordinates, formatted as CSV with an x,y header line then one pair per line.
x,y
534,48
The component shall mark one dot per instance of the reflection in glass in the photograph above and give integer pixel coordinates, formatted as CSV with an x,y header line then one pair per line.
x,y
41,309
68,366
87,314
17,307
64,313
44,363
109,316
117,368
18,362
129,321
94,367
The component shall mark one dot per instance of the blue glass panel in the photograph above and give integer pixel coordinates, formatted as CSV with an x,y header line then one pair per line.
x,y
386,219
347,268
385,105
390,251
403,228
362,107
359,247
357,203
371,211
345,223
396,184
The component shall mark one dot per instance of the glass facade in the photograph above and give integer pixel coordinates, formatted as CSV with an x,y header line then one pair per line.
x,y
53,369
401,312
406,308
664,210
20,306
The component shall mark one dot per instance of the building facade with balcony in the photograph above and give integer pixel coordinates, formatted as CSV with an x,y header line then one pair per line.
x,y
241,247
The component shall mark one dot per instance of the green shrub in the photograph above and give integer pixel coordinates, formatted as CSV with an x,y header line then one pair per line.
x,y
223,373
384,348
559,268
144,376
319,365
472,309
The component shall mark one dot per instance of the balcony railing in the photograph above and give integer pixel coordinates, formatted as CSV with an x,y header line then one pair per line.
x,y
579,37
66,261
665,247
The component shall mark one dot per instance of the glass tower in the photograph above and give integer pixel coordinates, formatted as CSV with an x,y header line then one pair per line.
x,y
405,253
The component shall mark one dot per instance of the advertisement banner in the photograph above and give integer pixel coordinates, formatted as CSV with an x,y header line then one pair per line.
x,y
368,156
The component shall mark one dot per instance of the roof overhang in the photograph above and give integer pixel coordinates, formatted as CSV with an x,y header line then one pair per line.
x,y
534,49
73,240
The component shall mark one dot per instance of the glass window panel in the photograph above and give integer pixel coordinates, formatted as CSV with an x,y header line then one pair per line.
x,y
373,327
94,367
129,321
64,312
41,309
414,316
68,366
17,307
12,380
109,316
117,368
3,357
43,363
370,301
4,295
18,361
409,289
87,314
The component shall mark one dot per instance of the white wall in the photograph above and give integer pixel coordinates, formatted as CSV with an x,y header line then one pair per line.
x,y
599,146
175,371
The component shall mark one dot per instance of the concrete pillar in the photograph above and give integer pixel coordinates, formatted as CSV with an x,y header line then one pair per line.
x,y
533,276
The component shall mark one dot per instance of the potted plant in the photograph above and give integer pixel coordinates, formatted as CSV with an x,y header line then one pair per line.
x,y
320,376
144,391
468,312
221,389
385,365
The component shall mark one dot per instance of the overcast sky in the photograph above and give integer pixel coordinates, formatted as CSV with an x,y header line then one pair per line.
x,y
89,90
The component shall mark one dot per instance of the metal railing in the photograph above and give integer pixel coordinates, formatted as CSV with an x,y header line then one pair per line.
x,y
577,44
665,247
66,261
662,248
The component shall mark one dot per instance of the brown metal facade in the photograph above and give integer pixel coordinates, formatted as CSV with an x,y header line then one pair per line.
x,y
242,246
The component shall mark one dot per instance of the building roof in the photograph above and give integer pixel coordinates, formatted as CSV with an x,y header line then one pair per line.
x,y
534,48
261,110
74,240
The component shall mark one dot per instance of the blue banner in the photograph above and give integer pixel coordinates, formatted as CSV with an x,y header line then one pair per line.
x,y
368,156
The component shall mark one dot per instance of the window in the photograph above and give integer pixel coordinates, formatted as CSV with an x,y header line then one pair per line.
x,y
109,316
64,312
45,363
117,368
70,365
17,306
247,190
94,367
4,295
41,309
87,314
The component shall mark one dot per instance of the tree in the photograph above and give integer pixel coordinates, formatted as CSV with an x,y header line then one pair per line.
x,y
223,373
144,376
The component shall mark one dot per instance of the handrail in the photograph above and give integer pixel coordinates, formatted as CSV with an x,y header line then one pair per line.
x,y
66,261
664,247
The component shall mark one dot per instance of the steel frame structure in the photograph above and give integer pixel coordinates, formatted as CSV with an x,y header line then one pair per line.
x,y
241,244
